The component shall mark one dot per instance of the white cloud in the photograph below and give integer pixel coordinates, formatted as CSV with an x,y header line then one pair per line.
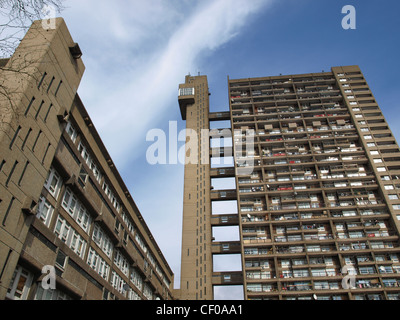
x,y
136,53
132,88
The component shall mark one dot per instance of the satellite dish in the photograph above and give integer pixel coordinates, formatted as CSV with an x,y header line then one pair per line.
x,y
315,296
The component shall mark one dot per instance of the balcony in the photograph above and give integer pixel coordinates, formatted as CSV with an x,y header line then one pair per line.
x,y
186,97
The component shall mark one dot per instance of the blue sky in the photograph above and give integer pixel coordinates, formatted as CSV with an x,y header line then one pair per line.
x,y
137,52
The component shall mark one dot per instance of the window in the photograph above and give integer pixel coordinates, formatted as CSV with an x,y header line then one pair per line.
x,y
103,241
47,113
78,244
385,269
39,109
69,202
23,173
83,176
53,183
41,80
321,286
11,173
98,264
121,262
318,272
76,210
90,162
140,242
20,284
45,211
132,295
58,88
118,283
36,140
29,106
50,294
186,92
111,196
51,83
71,131
61,260
15,137
389,187
147,292
367,270
136,279
367,137
84,152
381,169
70,236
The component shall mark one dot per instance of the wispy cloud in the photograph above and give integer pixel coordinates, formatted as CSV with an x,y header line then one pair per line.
x,y
146,49
136,54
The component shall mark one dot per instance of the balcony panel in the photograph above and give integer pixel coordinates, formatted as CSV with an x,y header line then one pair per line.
x,y
231,278
223,195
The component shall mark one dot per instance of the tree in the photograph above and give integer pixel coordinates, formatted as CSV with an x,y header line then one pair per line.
x,y
16,16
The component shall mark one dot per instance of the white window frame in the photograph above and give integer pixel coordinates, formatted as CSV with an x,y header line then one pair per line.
x,y
147,292
102,240
20,284
50,294
71,131
136,279
76,210
45,211
70,236
117,282
53,183
121,262
98,264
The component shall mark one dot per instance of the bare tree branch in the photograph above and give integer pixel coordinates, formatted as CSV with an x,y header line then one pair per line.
x,y
16,16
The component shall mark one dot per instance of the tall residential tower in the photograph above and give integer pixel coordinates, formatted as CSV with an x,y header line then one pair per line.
x,y
318,205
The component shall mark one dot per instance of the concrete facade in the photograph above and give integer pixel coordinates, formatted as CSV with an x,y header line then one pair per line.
x,y
316,170
196,274
63,203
